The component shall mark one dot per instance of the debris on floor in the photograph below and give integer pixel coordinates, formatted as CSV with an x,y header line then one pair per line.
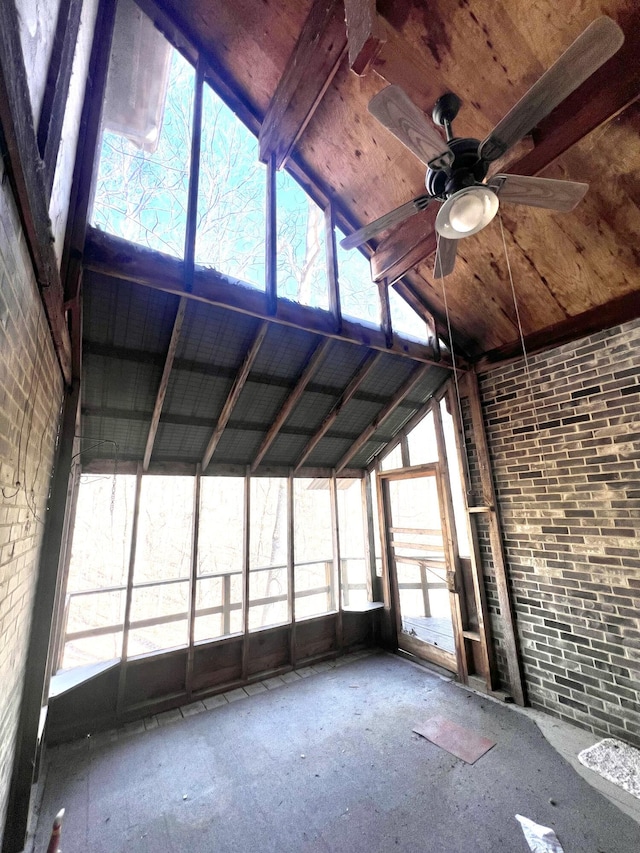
x,y
455,739
541,839
616,761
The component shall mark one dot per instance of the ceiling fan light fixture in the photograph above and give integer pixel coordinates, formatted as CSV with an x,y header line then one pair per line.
x,y
466,212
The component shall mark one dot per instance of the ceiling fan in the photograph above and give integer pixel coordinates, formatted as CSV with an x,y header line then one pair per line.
x,y
457,169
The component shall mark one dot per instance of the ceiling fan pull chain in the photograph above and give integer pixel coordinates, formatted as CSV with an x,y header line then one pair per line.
x,y
543,459
455,369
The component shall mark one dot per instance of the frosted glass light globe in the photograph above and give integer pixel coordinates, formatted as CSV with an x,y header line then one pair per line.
x,y
466,212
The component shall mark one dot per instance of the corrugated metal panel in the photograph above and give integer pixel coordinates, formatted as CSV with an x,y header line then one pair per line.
x,y
196,394
259,403
284,352
106,384
285,450
215,336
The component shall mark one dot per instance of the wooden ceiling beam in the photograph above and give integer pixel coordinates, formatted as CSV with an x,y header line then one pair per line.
x,y
364,33
311,68
292,400
622,309
403,392
28,183
369,363
599,99
117,258
234,393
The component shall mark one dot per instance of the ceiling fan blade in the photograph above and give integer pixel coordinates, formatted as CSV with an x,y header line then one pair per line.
x,y
539,192
445,259
598,43
396,111
394,217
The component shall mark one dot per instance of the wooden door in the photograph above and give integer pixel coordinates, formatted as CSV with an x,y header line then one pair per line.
x,y
420,578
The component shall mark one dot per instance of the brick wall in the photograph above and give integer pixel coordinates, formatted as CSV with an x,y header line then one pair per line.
x,y
30,399
565,451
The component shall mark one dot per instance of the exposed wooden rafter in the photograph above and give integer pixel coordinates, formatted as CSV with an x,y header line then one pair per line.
x,y
119,259
370,362
234,393
317,357
164,382
27,179
311,68
401,394
365,33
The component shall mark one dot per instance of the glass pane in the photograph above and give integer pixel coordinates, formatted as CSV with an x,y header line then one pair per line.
x,y
231,196
351,525
423,446
392,460
301,245
268,582
143,173
404,320
218,607
221,531
455,480
89,650
163,549
166,602
359,297
102,532
313,547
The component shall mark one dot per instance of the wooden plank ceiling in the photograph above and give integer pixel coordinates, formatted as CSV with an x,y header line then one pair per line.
x,y
572,272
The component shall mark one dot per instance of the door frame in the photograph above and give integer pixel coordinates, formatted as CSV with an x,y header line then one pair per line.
x,y
452,662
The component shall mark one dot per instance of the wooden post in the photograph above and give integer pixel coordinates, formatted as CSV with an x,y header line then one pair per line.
x,y
127,605
36,684
451,547
332,266
337,564
497,546
246,587
193,578
271,249
291,573
369,538
482,611
425,590
385,312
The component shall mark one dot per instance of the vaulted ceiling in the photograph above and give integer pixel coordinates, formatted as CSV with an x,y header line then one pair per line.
x,y
572,272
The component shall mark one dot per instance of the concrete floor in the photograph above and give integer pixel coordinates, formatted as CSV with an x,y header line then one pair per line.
x,y
325,761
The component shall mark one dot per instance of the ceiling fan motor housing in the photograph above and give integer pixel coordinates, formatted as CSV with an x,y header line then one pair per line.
x,y
465,171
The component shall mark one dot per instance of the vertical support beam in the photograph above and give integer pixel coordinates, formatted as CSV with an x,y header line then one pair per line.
x,y
246,586
36,685
451,546
122,680
337,566
497,545
57,87
369,535
391,606
332,266
385,312
482,612
271,247
291,571
193,578
404,449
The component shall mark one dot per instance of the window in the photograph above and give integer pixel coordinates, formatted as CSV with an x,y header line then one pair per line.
x,y
404,320
160,599
268,578
143,173
219,586
359,297
351,525
230,233
393,459
301,245
313,548
423,446
94,604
